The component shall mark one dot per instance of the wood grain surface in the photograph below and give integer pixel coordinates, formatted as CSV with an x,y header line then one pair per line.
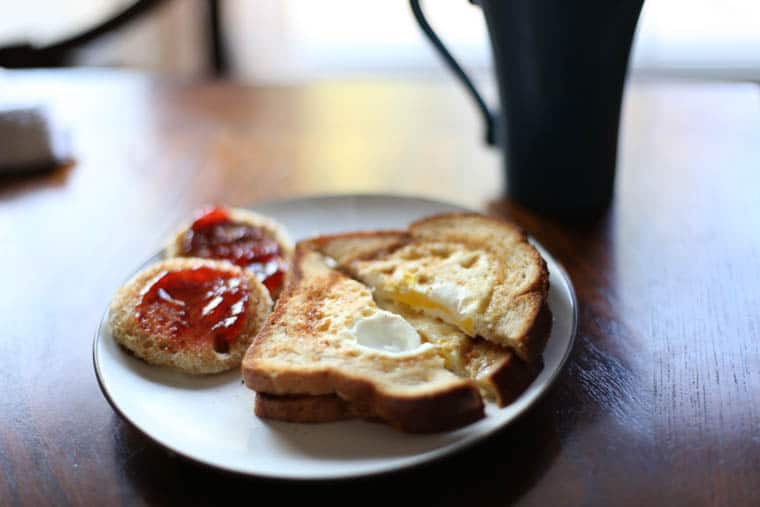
x,y
658,405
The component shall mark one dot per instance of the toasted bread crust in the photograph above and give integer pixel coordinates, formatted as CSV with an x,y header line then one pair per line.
x,y
153,349
432,413
513,376
303,408
347,247
296,353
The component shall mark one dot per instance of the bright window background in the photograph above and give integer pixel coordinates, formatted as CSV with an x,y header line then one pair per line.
x,y
282,41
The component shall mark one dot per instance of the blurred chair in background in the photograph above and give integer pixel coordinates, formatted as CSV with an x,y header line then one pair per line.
x,y
60,53
300,41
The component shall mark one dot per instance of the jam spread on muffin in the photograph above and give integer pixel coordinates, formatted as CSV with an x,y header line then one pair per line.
x,y
214,235
194,306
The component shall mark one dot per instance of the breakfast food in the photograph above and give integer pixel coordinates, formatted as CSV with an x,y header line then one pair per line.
x,y
499,374
414,328
476,273
327,336
242,237
336,348
196,315
306,409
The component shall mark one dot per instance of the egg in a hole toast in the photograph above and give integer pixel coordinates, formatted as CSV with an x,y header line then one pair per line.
x,y
446,277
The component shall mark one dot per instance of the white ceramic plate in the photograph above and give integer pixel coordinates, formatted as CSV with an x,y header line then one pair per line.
x,y
211,420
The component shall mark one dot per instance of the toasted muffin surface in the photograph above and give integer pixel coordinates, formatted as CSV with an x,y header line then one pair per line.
x,y
156,340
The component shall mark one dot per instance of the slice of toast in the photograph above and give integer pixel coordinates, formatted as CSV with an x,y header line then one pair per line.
x,y
477,273
499,373
312,345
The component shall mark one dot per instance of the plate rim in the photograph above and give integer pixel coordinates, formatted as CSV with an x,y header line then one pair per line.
x,y
435,454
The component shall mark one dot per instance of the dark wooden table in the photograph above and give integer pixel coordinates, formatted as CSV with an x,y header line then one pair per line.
x,y
658,405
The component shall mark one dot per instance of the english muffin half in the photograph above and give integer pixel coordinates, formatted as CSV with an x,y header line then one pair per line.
x,y
244,238
195,315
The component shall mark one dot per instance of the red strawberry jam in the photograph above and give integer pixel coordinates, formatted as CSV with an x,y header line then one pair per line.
x,y
195,306
214,235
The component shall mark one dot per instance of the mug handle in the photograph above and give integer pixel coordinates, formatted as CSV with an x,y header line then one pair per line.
x,y
488,118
